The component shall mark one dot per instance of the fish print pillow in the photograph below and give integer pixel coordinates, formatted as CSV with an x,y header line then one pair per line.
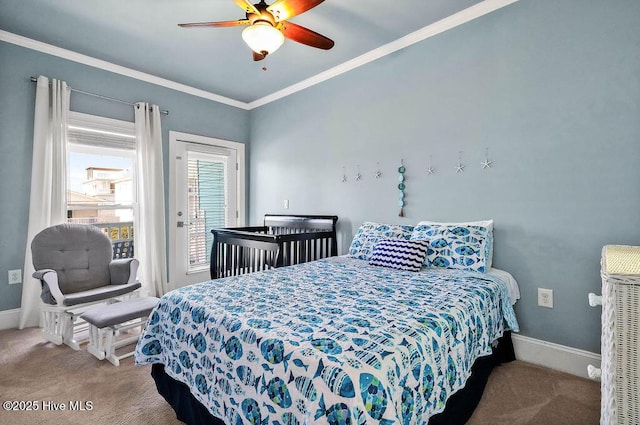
x,y
482,223
456,246
399,254
370,233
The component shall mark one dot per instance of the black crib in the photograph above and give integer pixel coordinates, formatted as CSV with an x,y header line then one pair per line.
x,y
283,240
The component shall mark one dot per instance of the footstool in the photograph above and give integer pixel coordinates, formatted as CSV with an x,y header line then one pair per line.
x,y
108,321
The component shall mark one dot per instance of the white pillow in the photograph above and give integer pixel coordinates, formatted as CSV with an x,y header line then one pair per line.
x,y
484,223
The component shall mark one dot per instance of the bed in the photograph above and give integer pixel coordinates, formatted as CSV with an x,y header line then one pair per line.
x,y
282,240
333,341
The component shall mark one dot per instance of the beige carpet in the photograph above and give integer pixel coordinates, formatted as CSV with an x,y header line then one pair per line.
x,y
518,393
31,369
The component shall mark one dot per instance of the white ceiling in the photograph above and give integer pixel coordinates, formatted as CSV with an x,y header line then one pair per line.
x,y
143,35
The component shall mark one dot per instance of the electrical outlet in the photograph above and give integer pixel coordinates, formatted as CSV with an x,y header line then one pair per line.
x,y
545,297
15,276
286,204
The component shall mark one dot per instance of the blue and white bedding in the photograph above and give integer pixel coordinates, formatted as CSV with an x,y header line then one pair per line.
x,y
335,341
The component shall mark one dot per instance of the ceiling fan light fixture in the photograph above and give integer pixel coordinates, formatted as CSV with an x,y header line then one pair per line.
x,y
262,37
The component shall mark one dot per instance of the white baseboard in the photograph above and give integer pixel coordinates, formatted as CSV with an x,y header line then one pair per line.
x,y
9,319
554,356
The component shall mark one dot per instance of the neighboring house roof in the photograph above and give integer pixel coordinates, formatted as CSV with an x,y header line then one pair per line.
x,y
74,197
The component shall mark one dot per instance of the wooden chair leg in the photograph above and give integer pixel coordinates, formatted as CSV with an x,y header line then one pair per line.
x,y
51,325
96,342
68,324
110,346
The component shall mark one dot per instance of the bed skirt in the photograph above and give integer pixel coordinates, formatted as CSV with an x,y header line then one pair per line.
x,y
459,408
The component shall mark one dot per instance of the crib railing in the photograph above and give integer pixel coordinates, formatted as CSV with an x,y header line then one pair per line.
x,y
284,240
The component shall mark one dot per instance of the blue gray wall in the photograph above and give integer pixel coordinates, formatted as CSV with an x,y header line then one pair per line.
x,y
188,114
551,88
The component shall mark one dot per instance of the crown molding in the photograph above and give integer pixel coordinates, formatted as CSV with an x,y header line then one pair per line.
x,y
445,24
117,69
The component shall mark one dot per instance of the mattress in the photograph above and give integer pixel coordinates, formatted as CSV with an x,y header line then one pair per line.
x,y
512,285
335,341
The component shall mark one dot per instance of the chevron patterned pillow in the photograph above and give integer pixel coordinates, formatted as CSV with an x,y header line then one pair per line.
x,y
399,254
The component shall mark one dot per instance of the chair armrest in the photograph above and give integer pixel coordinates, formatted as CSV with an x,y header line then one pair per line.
x,y
51,293
123,271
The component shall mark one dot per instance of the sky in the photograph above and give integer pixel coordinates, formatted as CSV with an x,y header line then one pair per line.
x,y
79,162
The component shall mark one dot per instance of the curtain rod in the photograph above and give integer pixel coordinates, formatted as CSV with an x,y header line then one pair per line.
x,y
34,80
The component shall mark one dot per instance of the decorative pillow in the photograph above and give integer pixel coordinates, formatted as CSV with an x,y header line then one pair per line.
x,y
482,223
457,245
370,233
399,254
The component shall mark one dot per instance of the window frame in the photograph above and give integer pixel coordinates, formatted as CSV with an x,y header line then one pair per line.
x,y
126,148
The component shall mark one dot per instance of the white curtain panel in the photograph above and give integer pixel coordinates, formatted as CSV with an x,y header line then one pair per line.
x,y
149,236
47,205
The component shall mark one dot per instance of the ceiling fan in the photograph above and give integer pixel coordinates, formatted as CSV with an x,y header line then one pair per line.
x,y
267,26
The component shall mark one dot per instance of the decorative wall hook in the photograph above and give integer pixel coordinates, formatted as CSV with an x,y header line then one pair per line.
x,y
378,173
486,163
430,169
344,175
358,175
459,167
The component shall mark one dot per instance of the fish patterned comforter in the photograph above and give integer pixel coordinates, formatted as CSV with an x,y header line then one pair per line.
x,y
335,341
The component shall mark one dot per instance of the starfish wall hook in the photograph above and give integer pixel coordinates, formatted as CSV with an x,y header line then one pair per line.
x,y
486,163
459,167
430,169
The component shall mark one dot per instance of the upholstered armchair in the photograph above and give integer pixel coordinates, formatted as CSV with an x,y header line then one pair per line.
x,y
74,265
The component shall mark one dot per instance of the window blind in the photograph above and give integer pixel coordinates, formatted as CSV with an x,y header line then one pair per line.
x,y
206,205
85,129
85,136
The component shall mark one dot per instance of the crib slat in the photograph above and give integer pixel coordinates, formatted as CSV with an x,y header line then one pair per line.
x,y
283,240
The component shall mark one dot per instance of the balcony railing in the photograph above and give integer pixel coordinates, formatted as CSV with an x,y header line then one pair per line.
x,y
120,234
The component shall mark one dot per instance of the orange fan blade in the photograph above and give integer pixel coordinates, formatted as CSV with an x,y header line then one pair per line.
x,y
258,56
247,6
286,9
217,24
305,35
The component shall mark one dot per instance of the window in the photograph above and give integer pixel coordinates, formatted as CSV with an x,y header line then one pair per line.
x,y
100,178
207,208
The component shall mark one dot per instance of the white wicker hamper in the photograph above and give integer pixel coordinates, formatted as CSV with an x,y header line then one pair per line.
x,y
620,384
